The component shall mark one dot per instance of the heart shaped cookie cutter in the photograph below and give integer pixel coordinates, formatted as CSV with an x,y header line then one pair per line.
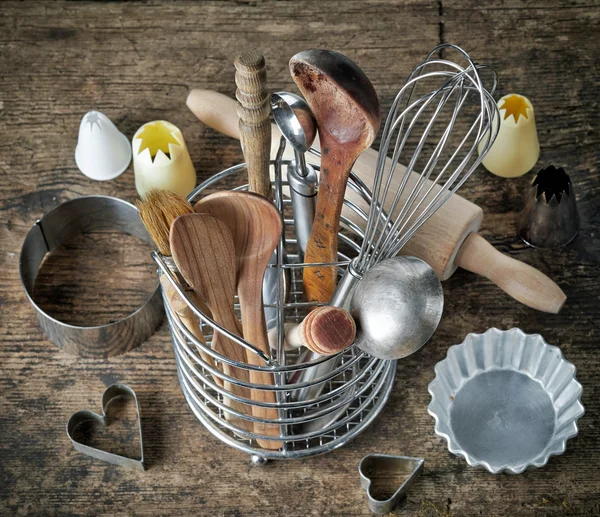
x,y
78,418
372,463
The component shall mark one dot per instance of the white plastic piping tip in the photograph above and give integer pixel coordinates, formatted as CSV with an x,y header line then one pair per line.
x,y
161,159
102,152
516,148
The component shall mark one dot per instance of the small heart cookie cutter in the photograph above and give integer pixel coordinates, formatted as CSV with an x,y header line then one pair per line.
x,y
374,462
112,392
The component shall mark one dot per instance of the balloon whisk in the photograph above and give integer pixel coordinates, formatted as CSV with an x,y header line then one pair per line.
x,y
435,126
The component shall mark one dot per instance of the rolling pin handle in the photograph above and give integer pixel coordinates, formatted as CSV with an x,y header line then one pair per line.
x,y
521,281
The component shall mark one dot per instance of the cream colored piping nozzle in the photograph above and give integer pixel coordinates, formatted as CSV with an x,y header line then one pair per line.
x,y
516,149
161,159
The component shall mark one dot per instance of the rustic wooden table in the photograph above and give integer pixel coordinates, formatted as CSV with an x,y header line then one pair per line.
x,y
136,62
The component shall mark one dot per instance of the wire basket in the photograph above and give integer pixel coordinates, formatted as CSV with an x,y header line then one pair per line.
x,y
355,390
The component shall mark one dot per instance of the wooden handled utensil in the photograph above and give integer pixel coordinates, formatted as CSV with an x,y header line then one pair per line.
x,y
345,106
158,209
189,319
254,125
447,241
203,250
326,330
256,226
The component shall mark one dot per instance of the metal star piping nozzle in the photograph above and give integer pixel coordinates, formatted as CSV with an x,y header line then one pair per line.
x,y
549,218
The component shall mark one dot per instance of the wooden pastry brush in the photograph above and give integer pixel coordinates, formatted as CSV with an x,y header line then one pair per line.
x,y
158,209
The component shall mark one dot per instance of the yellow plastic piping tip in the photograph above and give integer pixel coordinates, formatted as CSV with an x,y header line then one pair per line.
x,y
516,149
161,159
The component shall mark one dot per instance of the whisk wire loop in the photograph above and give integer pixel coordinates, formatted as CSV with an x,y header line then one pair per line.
x,y
434,170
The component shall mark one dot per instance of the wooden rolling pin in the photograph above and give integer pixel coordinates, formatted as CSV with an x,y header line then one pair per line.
x,y
446,241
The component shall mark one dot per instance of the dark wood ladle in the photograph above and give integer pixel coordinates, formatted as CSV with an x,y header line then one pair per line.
x,y
346,109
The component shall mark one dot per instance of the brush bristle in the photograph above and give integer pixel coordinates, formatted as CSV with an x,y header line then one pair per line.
x,y
158,209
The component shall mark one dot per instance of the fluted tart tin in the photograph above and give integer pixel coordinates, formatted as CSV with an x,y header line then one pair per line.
x,y
505,400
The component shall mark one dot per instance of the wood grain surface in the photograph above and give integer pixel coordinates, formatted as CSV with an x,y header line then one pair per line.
x,y
204,254
346,109
253,111
136,62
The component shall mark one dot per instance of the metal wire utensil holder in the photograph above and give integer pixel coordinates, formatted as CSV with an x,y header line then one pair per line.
x,y
355,376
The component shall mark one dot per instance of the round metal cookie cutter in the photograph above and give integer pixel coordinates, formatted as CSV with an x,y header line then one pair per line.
x,y
77,216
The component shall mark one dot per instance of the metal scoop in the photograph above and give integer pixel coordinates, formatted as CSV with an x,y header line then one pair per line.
x,y
297,125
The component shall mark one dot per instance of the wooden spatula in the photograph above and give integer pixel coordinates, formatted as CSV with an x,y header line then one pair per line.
x,y
203,250
346,109
256,226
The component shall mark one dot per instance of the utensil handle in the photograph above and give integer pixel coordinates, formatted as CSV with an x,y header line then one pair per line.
x,y
303,195
188,319
255,333
225,346
191,323
320,281
521,281
254,124
216,110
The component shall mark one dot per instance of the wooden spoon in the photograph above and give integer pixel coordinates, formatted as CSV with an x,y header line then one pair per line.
x,y
256,226
203,250
346,108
